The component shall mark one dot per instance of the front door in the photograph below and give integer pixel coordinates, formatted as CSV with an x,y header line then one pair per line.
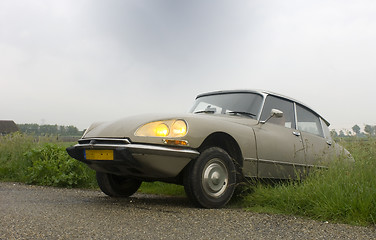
x,y
279,145
280,151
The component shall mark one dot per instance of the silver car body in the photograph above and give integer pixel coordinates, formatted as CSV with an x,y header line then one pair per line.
x,y
261,148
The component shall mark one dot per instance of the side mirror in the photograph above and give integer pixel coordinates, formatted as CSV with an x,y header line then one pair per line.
x,y
276,113
273,113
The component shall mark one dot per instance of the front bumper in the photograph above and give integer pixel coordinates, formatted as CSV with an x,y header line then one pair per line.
x,y
135,159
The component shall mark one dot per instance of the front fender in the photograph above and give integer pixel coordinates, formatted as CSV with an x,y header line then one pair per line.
x,y
241,130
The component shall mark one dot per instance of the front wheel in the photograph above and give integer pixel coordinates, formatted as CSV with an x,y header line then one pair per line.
x,y
210,179
117,186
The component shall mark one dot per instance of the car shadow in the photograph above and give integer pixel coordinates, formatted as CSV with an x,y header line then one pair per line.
x,y
143,201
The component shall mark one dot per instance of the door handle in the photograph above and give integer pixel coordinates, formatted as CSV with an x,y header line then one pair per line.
x,y
296,133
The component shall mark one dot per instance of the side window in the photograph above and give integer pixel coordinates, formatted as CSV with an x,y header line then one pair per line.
x,y
308,121
325,127
287,107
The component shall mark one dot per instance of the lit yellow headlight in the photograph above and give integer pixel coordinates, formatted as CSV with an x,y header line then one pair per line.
x,y
178,129
161,130
167,128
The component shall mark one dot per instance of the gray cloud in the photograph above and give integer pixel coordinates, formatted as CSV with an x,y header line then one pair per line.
x,y
75,62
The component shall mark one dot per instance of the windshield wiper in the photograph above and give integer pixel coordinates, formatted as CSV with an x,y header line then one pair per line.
x,y
206,111
243,113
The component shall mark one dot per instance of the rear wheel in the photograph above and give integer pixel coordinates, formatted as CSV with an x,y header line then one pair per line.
x,y
117,186
210,179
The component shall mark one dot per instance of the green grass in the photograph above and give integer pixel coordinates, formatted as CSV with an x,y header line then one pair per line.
x,y
52,166
344,193
41,161
161,188
44,161
13,164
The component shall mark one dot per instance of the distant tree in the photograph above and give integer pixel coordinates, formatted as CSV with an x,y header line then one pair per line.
x,y
334,133
370,130
72,131
49,130
29,128
342,133
356,129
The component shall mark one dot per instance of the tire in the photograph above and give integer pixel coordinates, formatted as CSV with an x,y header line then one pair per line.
x,y
117,186
210,180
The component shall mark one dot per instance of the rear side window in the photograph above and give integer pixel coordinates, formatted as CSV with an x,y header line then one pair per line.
x,y
326,130
308,121
286,106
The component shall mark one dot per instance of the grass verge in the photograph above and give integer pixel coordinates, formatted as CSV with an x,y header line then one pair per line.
x,y
344,193
44,161
41,161
161,188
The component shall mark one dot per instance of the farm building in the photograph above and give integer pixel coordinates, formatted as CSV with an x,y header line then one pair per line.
x,y
7,126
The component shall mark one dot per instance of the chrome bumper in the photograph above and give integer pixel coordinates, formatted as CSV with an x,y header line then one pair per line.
x,y
135,159
144,149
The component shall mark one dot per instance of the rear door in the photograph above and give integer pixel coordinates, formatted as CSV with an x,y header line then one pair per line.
x,y
317,143
279,145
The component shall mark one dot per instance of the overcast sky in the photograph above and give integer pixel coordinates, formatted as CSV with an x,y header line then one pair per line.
x,y
74,62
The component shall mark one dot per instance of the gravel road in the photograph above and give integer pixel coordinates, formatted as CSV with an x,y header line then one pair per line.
x,y
32,212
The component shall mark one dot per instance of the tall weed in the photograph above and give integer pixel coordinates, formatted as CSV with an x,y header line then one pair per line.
x,y
42,161
343,193
52,166
13,164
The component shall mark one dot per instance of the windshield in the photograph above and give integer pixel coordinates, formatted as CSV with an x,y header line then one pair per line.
x,y
245,104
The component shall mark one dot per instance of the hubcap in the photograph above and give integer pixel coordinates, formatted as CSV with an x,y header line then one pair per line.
x,y
215,178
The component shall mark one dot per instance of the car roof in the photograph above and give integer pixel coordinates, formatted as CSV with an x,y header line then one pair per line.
x,y
263,93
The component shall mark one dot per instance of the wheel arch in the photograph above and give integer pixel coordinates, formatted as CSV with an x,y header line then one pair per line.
x,y
230,145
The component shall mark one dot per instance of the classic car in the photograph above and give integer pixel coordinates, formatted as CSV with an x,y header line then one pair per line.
x,y
227,137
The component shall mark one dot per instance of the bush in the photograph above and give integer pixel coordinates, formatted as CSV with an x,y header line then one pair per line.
x,y
42,161
52,166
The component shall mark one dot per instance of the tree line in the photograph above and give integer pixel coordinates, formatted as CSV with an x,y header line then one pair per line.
x,y
49,130
368,131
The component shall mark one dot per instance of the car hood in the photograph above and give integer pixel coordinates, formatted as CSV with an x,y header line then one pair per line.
x,y
126,127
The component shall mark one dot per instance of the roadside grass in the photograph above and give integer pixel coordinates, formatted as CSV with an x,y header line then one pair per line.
x,y
52,166
344,193
160,188
13,163
41,161
44,161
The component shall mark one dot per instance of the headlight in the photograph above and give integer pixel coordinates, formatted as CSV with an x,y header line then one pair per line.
x,y
166,128
162,130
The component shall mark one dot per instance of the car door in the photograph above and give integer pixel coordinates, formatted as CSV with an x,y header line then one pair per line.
x,y
317,142
279,144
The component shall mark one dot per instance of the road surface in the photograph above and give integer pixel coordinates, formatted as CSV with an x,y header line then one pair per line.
x,y
33,212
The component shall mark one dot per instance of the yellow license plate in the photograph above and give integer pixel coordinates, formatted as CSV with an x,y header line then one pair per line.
x,y
99,154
